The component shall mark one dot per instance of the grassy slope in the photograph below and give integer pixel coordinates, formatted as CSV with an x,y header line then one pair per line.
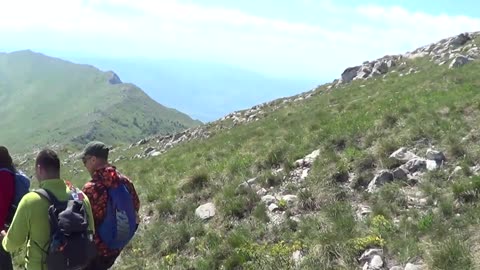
x,y
356,127
59,101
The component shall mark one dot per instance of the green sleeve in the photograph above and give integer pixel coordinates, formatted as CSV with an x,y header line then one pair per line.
x,y
91,222
17,234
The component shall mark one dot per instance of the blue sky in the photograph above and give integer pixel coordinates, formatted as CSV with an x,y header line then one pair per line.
x,y
312,39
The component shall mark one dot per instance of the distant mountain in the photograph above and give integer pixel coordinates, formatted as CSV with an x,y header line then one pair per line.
x,y
47,100
204,90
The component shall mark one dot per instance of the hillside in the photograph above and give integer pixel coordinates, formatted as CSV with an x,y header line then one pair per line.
x,y
224,88
376,170
49,101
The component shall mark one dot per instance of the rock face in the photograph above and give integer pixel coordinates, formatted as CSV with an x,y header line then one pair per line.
x,y
205,211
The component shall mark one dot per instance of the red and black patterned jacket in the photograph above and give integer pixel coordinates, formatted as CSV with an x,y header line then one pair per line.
x,y
96,191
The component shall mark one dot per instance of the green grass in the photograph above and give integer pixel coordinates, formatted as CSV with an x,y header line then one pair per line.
x,y
48,101
356,127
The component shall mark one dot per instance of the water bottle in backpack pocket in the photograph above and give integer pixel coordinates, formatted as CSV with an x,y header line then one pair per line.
x,y
119,224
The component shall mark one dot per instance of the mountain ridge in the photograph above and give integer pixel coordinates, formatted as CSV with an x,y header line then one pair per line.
x,y
82,94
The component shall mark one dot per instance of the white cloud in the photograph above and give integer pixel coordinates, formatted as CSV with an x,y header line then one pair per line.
x,y
169,28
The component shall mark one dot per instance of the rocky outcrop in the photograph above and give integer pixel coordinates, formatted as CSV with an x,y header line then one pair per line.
x,y
157,145
258,112
459,61
457,51
411,170
113,78
379,180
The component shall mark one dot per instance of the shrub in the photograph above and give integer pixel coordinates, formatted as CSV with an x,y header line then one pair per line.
x,y
451,254
198,180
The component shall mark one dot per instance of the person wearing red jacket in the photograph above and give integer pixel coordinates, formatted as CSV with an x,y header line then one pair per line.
x,y
104,175
7,193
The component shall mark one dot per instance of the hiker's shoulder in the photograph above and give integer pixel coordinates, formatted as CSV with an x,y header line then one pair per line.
x,y
4,174
123,177
32,198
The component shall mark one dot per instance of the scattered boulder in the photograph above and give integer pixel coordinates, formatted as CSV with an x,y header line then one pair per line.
x,y
242,188
432,165
459,61
141,142
474,52
460,40
379,180
400,174
376,263
252,181
381,67
363,211
116,160
416,164
268,199
155,153
411,266
349,74
148,150
297,257
363,73
205,211
262,192
308,160
396,268
246,185
304,174
290,199
273,207
435,155
403,155
369,254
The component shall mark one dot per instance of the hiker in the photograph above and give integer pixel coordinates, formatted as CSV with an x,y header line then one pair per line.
x,y
63,241
7,190
115,205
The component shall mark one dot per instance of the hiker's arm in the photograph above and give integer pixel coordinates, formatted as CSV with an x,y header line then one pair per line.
x,y
6,196
18,232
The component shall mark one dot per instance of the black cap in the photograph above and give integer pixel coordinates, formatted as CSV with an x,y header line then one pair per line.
x,y
96,149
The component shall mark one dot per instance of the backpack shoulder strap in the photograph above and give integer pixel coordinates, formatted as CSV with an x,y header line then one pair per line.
x,y
6,170
47,195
